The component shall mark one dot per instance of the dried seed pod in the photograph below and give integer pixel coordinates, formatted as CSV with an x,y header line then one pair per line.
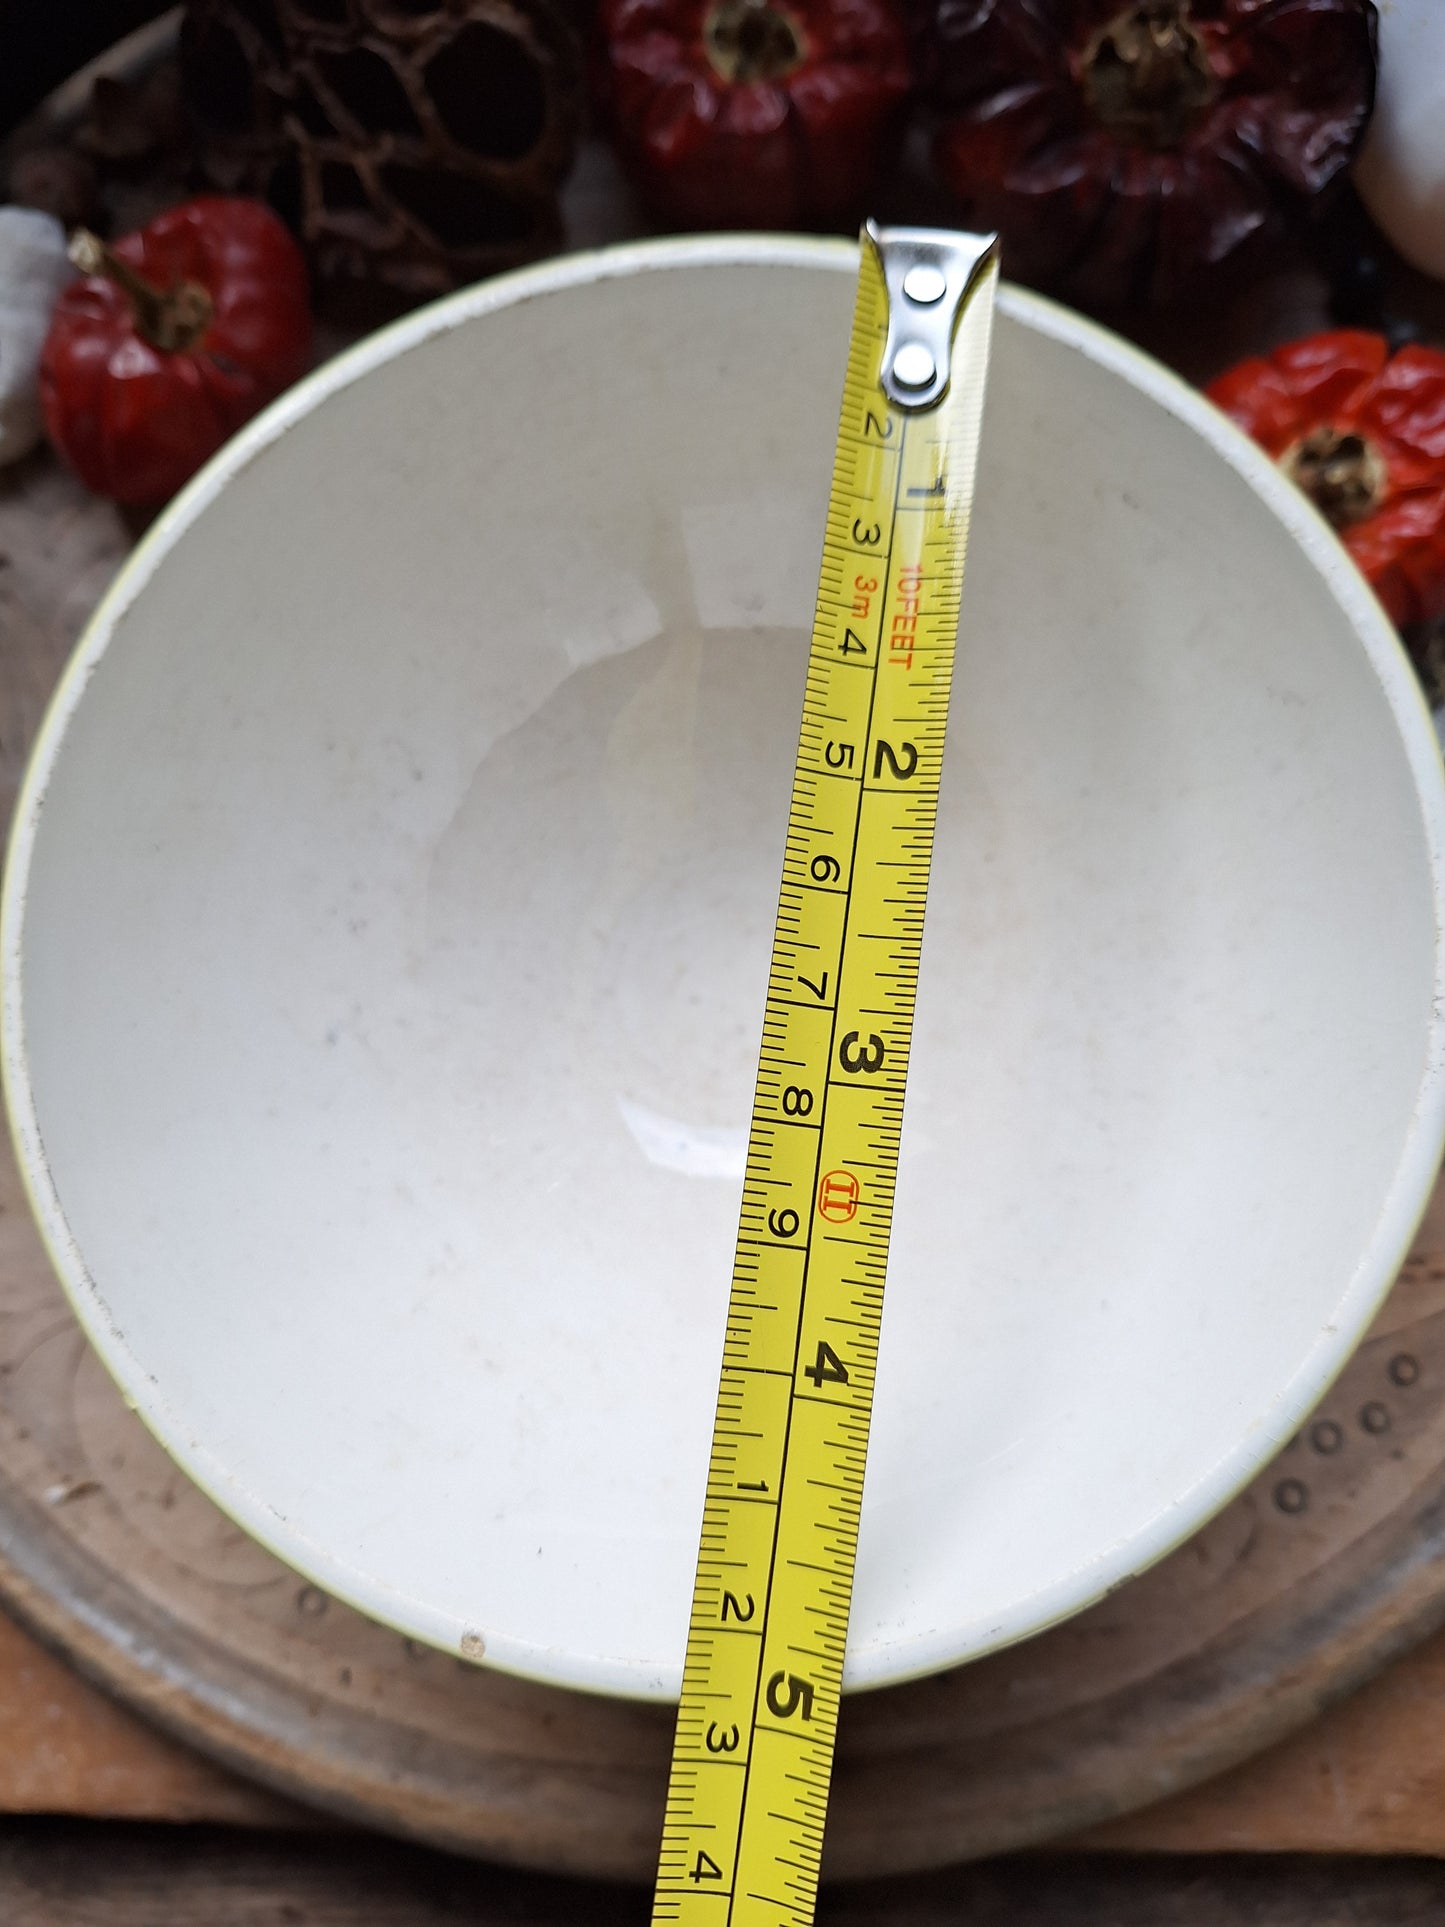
x,y
415,143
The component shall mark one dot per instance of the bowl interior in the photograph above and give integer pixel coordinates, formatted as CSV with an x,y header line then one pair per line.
x,y
388,928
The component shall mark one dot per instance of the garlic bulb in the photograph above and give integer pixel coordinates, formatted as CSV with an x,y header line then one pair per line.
x,y
33,269
1401,169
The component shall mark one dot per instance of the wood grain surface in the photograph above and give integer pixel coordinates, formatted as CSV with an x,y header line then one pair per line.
x,y
69,1876
66,1748
1368,1777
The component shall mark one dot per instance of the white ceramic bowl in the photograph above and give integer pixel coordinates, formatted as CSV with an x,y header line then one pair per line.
x,y
385,937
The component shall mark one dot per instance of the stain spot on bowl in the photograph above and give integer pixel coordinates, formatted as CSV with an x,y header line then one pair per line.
x,y
474,1647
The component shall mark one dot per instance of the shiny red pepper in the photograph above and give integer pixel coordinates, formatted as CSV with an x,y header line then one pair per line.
x,y
754,113
174,337
1362,431
1127,149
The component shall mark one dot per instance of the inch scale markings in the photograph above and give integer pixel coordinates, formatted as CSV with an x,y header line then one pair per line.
x,y
762,1679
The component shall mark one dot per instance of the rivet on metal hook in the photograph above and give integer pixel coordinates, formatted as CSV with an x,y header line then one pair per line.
x,y
925,285
913,365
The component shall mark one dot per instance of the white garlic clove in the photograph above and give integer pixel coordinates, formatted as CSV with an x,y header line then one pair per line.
x,y
1401,170
34,268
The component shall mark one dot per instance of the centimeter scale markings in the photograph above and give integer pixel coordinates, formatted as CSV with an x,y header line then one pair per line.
x,y
747,1799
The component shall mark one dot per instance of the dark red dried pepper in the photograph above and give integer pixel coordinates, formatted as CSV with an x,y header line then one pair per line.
x,y
1362,431
1124,151
175,336
753,113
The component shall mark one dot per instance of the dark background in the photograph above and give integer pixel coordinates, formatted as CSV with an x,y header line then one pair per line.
x,y
42,42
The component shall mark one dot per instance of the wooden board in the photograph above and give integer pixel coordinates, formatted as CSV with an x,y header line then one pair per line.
x,y
1368,1777
67,1749
61,1875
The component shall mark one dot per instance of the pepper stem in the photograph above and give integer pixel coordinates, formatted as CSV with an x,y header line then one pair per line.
x,y
1343,474
751,40
1146,73
172,319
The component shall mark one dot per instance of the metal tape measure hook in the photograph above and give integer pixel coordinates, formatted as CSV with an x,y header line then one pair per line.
x,y
930,276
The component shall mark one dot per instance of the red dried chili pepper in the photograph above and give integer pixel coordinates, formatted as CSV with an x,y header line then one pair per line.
x,y
754,113
1363,433
1124,150
174,338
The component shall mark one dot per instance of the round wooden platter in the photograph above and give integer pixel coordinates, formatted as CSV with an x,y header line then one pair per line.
x,y
1327,1567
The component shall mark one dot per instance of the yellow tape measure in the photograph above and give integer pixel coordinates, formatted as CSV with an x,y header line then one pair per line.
x,y
746,1802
